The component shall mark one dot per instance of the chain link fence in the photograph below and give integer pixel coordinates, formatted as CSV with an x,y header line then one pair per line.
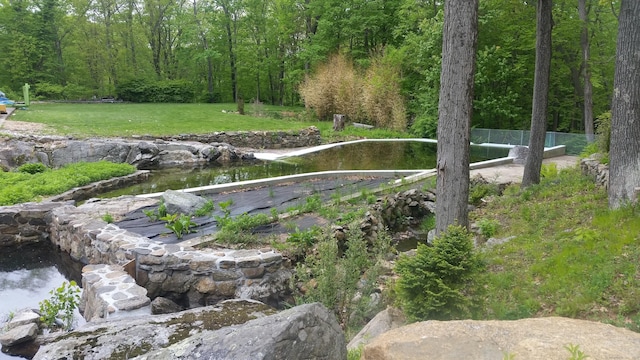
x,y
575,143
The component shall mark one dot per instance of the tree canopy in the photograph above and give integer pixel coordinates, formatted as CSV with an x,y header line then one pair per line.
x,y
263,50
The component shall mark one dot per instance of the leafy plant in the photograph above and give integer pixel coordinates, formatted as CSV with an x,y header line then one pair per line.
x,y
343,282
305,238
439,281
576,353
487,227
32,168
179,224
549,170
62,303
206,209
108,218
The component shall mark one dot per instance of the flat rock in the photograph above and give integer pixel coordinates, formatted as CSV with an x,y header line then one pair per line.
x,y
19,334
23,318
123,338
527,339
307,331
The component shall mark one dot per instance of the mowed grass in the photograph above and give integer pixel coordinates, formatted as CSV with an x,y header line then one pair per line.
x,y
123,119
571,255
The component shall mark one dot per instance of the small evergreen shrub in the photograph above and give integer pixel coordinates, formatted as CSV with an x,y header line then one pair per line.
x,y
439,281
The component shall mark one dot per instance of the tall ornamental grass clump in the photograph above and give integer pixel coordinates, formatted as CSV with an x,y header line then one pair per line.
x,y
373,96
334,88
440,281
382,100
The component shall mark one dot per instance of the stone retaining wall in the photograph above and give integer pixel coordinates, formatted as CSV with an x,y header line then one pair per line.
x,y
255,139
148,152
592,167
189,277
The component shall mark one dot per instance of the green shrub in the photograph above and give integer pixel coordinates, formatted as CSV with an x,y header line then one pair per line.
x,y
343,282
32,168
487,227
145,91
62,303
439,281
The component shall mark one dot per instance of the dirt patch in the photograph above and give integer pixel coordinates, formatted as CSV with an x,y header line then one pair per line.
x,y
25,128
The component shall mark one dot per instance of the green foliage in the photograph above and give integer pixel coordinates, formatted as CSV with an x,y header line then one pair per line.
x,y
439,282
166,91
62,303
305,238
576,353
343,282
32,168
48,91
487,227
22,187
206,209
479,191
549,170
108,218
179,224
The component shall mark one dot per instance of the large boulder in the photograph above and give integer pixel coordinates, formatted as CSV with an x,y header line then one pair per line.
x,y
539,338
304,332
128,337
388,319
178,202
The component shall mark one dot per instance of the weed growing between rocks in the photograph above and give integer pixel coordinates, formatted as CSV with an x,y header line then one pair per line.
x,y
347,282
64,300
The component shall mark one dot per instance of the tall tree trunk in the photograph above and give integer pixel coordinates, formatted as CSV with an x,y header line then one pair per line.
x,y
540,94
586,70
624,155
459,42
232,55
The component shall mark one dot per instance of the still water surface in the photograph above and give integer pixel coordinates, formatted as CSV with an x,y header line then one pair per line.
x,y
27,275
378,155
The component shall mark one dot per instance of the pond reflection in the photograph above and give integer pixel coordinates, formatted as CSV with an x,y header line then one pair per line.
x,y
28,273
377,155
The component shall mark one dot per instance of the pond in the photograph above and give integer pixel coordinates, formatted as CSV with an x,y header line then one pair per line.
x,y
27,275
370,155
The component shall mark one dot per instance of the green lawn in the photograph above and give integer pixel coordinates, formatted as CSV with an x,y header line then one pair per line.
x,y
108,120
87,120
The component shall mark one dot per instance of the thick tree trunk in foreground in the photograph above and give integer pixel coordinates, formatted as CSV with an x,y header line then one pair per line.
x,y
540,95
624,155
459,42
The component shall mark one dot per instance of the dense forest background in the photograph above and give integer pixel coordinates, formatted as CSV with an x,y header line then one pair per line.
x,y
222,50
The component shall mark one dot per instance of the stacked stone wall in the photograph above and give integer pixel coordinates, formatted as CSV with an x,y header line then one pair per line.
x,y
599,172
186,275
